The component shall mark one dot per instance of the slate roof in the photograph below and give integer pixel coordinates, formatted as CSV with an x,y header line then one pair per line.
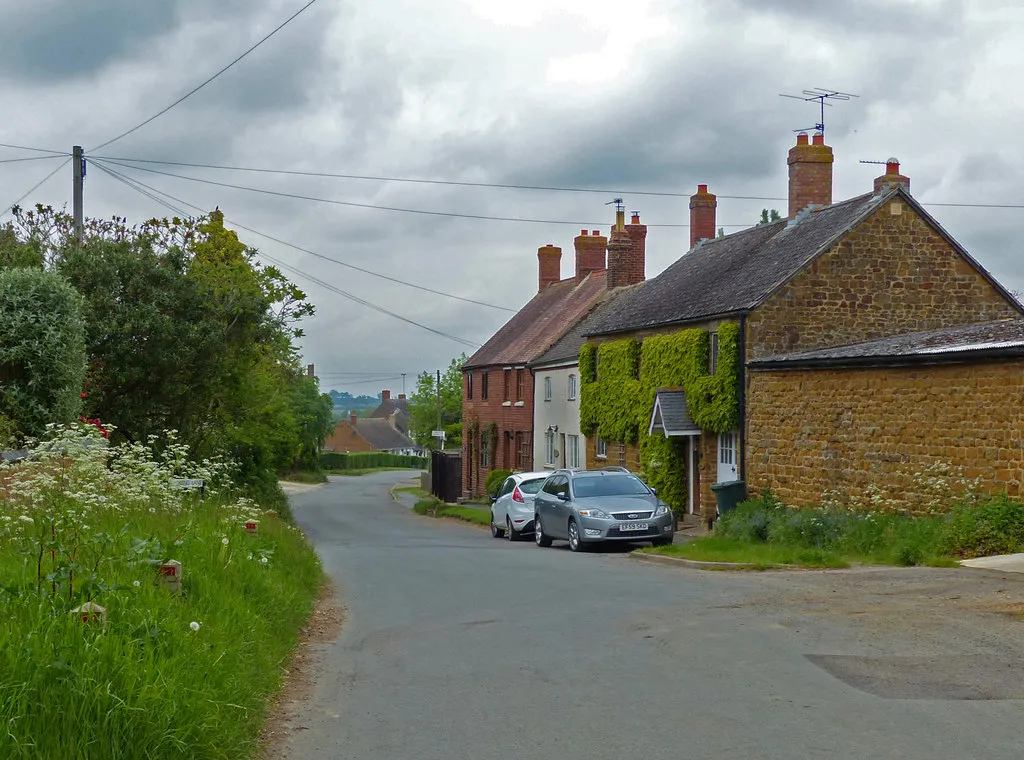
x,y
567,348
381,435
671,415
387,408
1002,338
541,322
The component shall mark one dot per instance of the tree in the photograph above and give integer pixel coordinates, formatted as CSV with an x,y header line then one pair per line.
x,y
767,217
423,406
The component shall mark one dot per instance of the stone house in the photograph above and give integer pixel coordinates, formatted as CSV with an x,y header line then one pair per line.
x,y
395,411
499,382
863,271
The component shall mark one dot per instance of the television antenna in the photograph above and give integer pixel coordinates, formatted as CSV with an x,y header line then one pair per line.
x,y
821,95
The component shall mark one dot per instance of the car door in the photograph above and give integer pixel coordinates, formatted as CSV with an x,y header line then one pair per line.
x,y
501,503
543,505
557,524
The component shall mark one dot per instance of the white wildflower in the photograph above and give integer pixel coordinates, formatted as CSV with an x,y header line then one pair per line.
x,y
136,584
194,625
225,541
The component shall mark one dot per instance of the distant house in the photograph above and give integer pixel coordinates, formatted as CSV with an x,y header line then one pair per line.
x,y
395,411
369,434
499,383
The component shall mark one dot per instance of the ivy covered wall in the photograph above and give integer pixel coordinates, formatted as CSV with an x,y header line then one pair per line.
x,y
619,380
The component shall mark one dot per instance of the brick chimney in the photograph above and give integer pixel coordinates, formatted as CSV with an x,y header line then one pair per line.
x,y
810,173
702,215
385,395
549,261
590,253
352,419
891,178
401,397
627,252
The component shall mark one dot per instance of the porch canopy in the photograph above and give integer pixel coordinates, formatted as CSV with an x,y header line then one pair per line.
x,y
670,416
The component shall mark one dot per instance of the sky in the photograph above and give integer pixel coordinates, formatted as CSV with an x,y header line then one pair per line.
x,y
649,96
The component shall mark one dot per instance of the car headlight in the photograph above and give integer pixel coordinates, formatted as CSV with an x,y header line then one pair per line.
x,y
661,510
595,513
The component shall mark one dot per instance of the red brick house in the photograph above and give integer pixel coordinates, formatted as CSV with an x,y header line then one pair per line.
x,y
820,301
498,383
369,434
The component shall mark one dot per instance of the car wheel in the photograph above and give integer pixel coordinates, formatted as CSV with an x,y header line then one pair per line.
x,y
539,537
575,542
509,532
496,532
662,541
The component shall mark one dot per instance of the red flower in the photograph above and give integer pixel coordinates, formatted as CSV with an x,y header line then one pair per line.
x,y
81,395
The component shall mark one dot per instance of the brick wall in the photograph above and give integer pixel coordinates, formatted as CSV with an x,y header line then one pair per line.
x,y
344,438
813,430
894,274
515,419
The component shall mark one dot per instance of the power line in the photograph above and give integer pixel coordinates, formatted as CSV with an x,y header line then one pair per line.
x,y
6,210
457,183
196,89
333,288
314,253
29,158
35,150
353,204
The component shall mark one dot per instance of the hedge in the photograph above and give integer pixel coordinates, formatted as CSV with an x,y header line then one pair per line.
x,y
365,460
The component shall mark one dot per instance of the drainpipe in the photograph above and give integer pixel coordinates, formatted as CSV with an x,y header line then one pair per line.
x,y
742,351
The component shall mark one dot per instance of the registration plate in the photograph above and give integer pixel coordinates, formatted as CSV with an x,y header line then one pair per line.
x,y
624,527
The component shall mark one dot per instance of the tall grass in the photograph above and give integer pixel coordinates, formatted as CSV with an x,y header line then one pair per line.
x,y
167,676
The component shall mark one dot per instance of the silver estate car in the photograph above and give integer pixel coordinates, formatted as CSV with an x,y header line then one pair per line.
x,y
585,507
512,510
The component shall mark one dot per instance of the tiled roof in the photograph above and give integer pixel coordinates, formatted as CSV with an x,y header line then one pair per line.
x,y
671,415
1005,337
567,348
539,324
736,272
387,408
381,435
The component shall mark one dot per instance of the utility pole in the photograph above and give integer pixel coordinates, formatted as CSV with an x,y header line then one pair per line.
x,y
439,404
78,173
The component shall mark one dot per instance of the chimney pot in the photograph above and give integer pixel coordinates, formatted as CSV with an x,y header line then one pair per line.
x,y
703,207
891,177
801,139
818,139
401,397
385,395
583,232
810,174
636,218
596,232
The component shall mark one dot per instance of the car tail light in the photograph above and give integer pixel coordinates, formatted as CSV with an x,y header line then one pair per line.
x,y
517,495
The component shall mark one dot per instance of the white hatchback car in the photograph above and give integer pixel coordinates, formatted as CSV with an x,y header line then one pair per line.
x,y
512,510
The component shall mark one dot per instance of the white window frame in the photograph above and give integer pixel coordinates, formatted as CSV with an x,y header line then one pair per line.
x,y
601,449
547,388
549,448
572,451
571,395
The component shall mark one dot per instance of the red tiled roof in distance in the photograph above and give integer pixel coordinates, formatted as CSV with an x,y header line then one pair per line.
x,y
546,318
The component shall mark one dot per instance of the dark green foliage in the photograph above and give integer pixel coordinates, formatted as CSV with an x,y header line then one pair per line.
x,y
42,351
993,527
423,405
364,460
494,480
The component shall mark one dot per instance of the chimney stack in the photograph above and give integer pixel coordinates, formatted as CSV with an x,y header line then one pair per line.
x,y
385,395
401,397
627,254
352,419
702,215
549,260
309,367
810,173
590,253
891,178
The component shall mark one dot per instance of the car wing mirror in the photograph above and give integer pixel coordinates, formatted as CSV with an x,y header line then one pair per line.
x,y
563,497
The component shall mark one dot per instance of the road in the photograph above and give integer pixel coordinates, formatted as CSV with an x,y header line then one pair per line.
x,y
457,646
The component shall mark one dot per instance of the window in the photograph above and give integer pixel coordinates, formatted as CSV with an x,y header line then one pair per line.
x,y
547,388
519,385
572,451
571,395
713,354
507,487
727,448
485,450
549,448
601,449
507,377
469,386
483,385
609,485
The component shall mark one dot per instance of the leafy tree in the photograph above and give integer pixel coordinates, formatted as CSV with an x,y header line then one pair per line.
x,y
423,406
767,217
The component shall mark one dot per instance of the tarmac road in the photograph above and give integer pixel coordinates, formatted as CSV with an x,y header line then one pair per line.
x,y
458,646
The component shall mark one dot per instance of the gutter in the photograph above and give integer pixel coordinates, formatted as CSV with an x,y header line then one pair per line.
x,y
677,323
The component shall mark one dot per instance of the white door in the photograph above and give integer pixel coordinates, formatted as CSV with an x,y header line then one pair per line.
x,y
728,456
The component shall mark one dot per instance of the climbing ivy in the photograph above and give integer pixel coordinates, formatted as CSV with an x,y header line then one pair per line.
x,y
619,381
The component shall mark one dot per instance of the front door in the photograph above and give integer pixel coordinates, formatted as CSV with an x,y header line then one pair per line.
x,y
728,456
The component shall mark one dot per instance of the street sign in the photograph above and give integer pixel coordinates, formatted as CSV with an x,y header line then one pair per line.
x,y
438,434
188,483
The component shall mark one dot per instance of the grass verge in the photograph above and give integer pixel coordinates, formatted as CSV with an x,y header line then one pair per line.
x,y
368,470
433,507
718,549
305,476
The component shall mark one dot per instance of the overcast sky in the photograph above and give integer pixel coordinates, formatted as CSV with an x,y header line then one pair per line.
x,y
655,95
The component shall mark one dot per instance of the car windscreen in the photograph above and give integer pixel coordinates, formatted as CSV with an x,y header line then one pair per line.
x,y
531,486
609,485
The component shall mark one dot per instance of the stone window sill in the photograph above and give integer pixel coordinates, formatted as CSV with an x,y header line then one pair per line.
x,y
520,403
506,403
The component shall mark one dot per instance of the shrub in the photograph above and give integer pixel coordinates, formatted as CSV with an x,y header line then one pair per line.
x,y
992,527
751,520
495,479
364,460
